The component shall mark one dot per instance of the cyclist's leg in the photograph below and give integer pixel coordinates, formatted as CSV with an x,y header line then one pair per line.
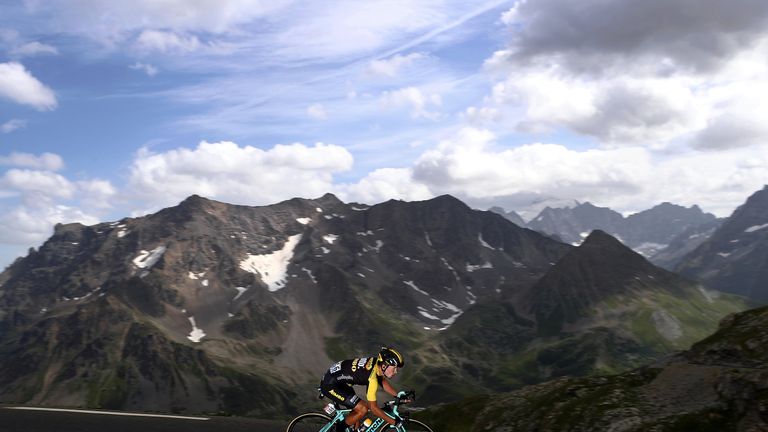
x,y
344,395
357,414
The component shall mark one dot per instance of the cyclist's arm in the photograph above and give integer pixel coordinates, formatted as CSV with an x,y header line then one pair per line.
x,y
378,412
373,386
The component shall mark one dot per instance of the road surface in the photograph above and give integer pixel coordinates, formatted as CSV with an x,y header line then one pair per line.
x,y
28,419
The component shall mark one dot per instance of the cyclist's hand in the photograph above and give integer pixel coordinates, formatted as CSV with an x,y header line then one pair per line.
x,y
406,396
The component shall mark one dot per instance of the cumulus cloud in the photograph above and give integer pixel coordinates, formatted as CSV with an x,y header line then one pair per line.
x,y
616,72
18,85
229,172
12,125
596,36
30,226
32,49
35,198
621,111
391,66
385,184
45,161
39,184
415,99
476,168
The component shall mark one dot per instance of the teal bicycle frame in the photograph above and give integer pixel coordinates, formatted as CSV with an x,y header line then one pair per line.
x,y
390,408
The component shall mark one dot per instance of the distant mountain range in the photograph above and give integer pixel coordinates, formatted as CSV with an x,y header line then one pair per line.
x,y
212,307
735,257
648,232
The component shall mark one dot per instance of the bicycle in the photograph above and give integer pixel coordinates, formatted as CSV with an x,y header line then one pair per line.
x,y
320,422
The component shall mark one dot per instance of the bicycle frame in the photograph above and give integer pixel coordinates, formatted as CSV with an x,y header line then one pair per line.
x,y
340,415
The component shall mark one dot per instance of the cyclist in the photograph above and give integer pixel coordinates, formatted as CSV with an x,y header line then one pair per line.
x,y
373,372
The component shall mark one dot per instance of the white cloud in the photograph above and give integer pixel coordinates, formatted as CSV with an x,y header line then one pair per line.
x,y
30,226
12,125
317,112
390,67
96,194
37,184
231,173
415,99
18,85
144,67
475,168
165,42
45,161
385,184
32,49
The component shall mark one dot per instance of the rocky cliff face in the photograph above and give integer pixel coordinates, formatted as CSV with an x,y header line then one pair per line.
x,y
734,259
720,384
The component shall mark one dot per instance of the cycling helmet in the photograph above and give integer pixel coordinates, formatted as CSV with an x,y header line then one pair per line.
x,y
391,357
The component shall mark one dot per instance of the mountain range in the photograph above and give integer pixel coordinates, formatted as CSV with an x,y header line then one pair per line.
x,y
213,307
664,228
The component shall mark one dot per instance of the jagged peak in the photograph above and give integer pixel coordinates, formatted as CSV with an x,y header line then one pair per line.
x,y
329,198
446,198
603,239
62,228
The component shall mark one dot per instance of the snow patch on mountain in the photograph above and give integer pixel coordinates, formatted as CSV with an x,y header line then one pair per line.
x,y
483,243
413,285
471,268
330,238
303,221
272,267
146,259
309,273
755,228
196,334
195,276
240,291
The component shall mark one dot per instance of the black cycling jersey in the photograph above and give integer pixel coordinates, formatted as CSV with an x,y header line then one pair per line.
x,y
341,376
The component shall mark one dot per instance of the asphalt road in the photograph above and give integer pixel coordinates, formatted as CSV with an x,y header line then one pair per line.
x,y
13,419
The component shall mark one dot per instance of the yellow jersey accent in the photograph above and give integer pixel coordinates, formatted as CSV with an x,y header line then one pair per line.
x,y
373,385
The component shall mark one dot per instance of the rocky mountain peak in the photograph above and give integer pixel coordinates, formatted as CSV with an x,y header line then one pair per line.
x,y
600,268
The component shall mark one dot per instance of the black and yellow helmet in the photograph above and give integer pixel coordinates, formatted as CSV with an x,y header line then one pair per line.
x,y
391,357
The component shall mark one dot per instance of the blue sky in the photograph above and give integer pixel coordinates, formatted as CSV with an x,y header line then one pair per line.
x,y
114,109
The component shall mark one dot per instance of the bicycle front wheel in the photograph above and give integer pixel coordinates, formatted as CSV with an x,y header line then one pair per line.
x,y
309,422
413,426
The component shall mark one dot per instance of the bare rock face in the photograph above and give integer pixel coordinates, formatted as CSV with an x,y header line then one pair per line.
x,y
734,258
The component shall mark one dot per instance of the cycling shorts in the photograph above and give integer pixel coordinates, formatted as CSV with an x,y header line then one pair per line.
x,y
341,393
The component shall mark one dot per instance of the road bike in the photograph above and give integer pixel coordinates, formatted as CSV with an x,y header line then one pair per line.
x,y
321,422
